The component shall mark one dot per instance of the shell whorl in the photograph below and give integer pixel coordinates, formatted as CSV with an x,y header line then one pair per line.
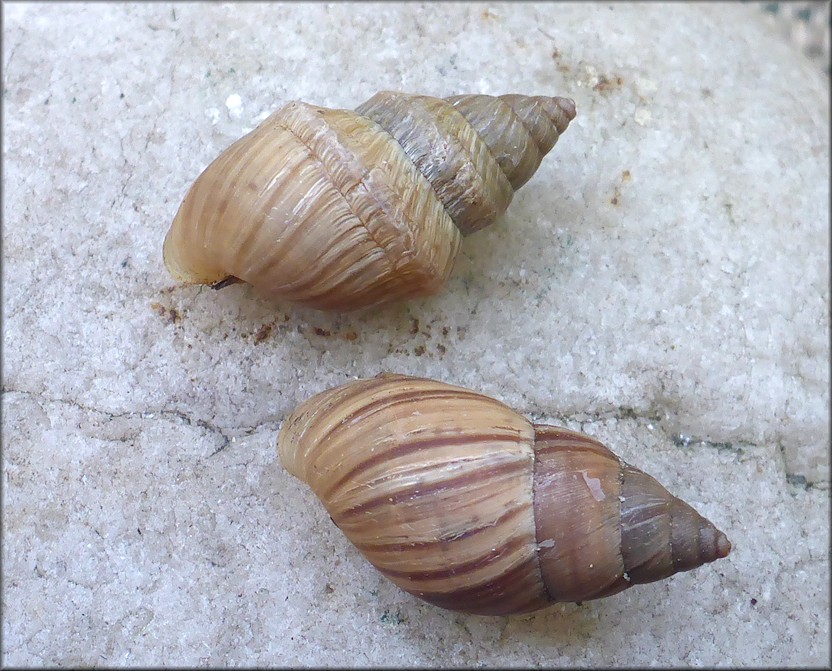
x,y
462,502
591,504
475,150
343,209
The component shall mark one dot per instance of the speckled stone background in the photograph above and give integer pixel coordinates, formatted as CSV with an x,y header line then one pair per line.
x,y
661,283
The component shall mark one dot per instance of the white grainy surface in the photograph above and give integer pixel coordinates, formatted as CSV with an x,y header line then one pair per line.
x,y
661,283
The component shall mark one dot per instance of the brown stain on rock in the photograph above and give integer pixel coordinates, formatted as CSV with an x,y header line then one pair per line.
x,y
559,64
262,333
625,177
350,335
608,84
171,315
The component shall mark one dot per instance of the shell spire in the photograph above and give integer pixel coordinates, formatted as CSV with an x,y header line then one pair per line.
x,y
475,150
591,504
519,139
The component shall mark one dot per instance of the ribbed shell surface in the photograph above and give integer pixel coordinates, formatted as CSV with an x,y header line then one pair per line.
x,y
447,149
431,482
319,206
345,210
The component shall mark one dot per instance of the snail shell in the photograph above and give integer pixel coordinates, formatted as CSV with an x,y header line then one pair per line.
x,y
341,210
462,502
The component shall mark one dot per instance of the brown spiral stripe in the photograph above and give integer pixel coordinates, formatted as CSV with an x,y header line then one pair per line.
x,y
459,500
432,483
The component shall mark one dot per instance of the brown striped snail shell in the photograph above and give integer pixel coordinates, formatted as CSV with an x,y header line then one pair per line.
x,y
342,210
462,502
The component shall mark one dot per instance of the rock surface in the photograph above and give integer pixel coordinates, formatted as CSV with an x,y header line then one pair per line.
x,y
661,283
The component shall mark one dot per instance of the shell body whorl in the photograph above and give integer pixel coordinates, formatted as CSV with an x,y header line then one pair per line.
x,y
343,210
464,503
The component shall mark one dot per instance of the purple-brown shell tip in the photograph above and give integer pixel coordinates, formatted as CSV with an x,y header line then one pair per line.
x,y
568,106
723,545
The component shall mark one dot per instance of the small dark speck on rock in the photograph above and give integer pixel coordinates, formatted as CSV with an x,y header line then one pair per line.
x,y
420,350
796,480
171,314
321,332
804,15
262,334
394,618
753,602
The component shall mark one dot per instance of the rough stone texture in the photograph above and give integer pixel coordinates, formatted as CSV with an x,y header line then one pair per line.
x,y
661,283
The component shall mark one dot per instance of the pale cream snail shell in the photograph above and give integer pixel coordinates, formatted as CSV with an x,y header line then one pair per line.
x,y
462,502
341,210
